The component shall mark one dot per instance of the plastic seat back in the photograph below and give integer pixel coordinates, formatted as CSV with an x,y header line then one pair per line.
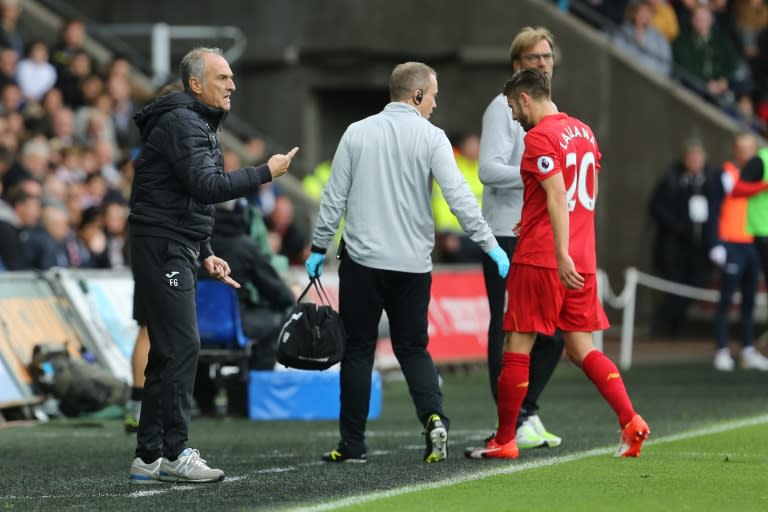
x,y
218,315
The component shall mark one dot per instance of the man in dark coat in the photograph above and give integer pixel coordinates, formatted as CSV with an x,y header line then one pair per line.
x,y
179,176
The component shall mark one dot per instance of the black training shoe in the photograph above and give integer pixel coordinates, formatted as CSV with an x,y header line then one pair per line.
x,y
344,454
437,440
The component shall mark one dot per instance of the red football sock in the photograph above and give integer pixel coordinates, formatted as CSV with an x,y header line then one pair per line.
x,y
512,388
606,377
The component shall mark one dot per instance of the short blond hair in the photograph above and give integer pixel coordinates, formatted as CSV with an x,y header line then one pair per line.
x,y
526,38
408,77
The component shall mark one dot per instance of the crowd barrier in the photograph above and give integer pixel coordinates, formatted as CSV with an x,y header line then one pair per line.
x,y
627,301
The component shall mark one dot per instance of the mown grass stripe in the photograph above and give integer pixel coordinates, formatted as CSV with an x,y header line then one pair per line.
x,y
525,466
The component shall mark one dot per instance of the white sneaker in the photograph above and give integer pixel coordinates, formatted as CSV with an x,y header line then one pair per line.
x,y
189,467
526,436
723,361
752,359
551,439
143,473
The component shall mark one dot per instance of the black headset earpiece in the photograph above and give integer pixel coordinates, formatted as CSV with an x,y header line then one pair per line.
x,y
418,97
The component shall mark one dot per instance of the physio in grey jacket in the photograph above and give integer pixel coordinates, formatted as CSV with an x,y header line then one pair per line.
x,y
381,181
501,150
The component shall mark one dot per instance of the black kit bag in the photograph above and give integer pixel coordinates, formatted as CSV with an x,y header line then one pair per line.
x,y
313,337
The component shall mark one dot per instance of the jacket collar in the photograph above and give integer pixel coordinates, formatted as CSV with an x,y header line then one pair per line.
x,y
399,106
214,116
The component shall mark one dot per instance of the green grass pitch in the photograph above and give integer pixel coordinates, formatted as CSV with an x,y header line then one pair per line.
x,y
83,465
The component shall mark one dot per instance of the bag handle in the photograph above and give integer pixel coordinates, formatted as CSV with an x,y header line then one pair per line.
x,y
315,281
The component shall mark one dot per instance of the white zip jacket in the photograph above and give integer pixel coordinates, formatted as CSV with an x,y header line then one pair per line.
x,y
501,150
381,182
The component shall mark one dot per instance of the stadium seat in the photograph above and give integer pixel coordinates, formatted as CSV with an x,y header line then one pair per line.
x,y
218,316
222,341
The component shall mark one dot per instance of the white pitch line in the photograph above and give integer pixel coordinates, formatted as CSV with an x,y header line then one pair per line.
x,y
485,473
517,468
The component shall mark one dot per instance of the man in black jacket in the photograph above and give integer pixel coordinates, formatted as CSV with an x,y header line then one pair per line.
x,y
178,177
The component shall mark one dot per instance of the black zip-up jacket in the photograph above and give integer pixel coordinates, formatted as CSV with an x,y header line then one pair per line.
x,y
179,174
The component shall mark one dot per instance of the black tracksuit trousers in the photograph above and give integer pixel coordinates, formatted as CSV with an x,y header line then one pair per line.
x,y
363,294
546,352
165,275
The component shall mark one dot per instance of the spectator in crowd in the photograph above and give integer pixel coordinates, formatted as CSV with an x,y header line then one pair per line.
x,y
26,201
285,237
54,189
642,42
35,74
70,169
92,86
707,56
749,18
6,162
664,19
102,230
53,243
33,163
381,180
90,233
452,243
10,10
10,247
115,230
744,111
71,41
734,253
92,125
750,27
122,109
265,198
51,102
680,209
685,11
11,99
63,133
70,79
9,61
256,149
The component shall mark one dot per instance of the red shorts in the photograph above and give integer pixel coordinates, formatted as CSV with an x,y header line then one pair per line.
x,y
537,301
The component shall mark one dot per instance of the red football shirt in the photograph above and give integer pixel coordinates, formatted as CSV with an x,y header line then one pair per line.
x,y
559,144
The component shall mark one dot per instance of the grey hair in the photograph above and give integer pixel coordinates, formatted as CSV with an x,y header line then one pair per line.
x,y
193,65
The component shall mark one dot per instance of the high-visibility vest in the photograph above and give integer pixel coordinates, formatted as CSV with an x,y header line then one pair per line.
x,y
757,211
445,220
732,226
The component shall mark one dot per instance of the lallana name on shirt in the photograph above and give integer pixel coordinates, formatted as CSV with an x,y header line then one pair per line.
x,y
571,132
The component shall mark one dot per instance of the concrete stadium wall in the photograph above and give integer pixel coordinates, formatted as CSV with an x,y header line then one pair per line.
x,y
310,68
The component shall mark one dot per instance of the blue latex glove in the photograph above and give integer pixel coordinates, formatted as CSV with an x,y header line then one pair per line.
x,y
314,264
501,260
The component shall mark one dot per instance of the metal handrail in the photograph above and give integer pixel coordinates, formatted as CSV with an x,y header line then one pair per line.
x,y
162,34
